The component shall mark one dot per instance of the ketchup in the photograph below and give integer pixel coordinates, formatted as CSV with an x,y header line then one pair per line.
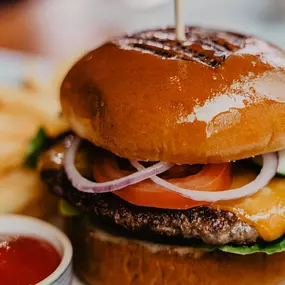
x,y
26,260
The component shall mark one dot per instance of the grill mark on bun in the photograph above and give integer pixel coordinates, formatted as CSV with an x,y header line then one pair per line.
x,y
208,47
163,109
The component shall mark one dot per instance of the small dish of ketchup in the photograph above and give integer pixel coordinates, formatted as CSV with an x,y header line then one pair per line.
x,y
33,252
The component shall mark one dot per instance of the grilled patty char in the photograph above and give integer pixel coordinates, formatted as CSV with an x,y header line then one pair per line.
x,y
213,226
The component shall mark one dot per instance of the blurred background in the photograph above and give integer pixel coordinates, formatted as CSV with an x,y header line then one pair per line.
x,y
66,28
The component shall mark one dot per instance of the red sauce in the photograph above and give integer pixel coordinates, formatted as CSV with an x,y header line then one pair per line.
x,y
26,260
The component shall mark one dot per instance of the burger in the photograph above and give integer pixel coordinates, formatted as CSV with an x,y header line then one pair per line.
x,y
172,172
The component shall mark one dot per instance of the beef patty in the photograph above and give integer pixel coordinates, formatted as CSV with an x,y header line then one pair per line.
x,y
213,226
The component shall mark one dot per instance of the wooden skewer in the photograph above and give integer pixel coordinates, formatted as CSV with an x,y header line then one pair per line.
x,y
179,23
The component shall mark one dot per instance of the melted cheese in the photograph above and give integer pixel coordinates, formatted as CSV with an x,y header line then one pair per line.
x,y
265,210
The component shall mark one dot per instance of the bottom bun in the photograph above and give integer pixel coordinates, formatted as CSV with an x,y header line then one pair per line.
x,y
102,258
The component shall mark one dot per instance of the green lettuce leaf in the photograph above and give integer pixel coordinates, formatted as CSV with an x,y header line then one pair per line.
x,y
36,146
259,247
67,210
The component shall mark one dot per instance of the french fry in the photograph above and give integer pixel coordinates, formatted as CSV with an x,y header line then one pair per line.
x,y
22,192
12,153
17,127
23,110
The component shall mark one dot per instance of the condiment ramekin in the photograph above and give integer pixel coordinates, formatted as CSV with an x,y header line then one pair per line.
x,y
27,226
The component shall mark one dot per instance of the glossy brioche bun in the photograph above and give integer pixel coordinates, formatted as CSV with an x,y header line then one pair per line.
x,y
217,97
104,259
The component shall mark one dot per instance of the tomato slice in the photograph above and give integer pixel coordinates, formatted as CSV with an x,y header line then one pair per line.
x,y
212,177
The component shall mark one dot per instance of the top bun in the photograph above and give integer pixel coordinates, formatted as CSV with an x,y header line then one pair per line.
x,y
216,97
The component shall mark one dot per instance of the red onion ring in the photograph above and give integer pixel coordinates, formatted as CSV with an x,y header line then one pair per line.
x,y
85,185
268,171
